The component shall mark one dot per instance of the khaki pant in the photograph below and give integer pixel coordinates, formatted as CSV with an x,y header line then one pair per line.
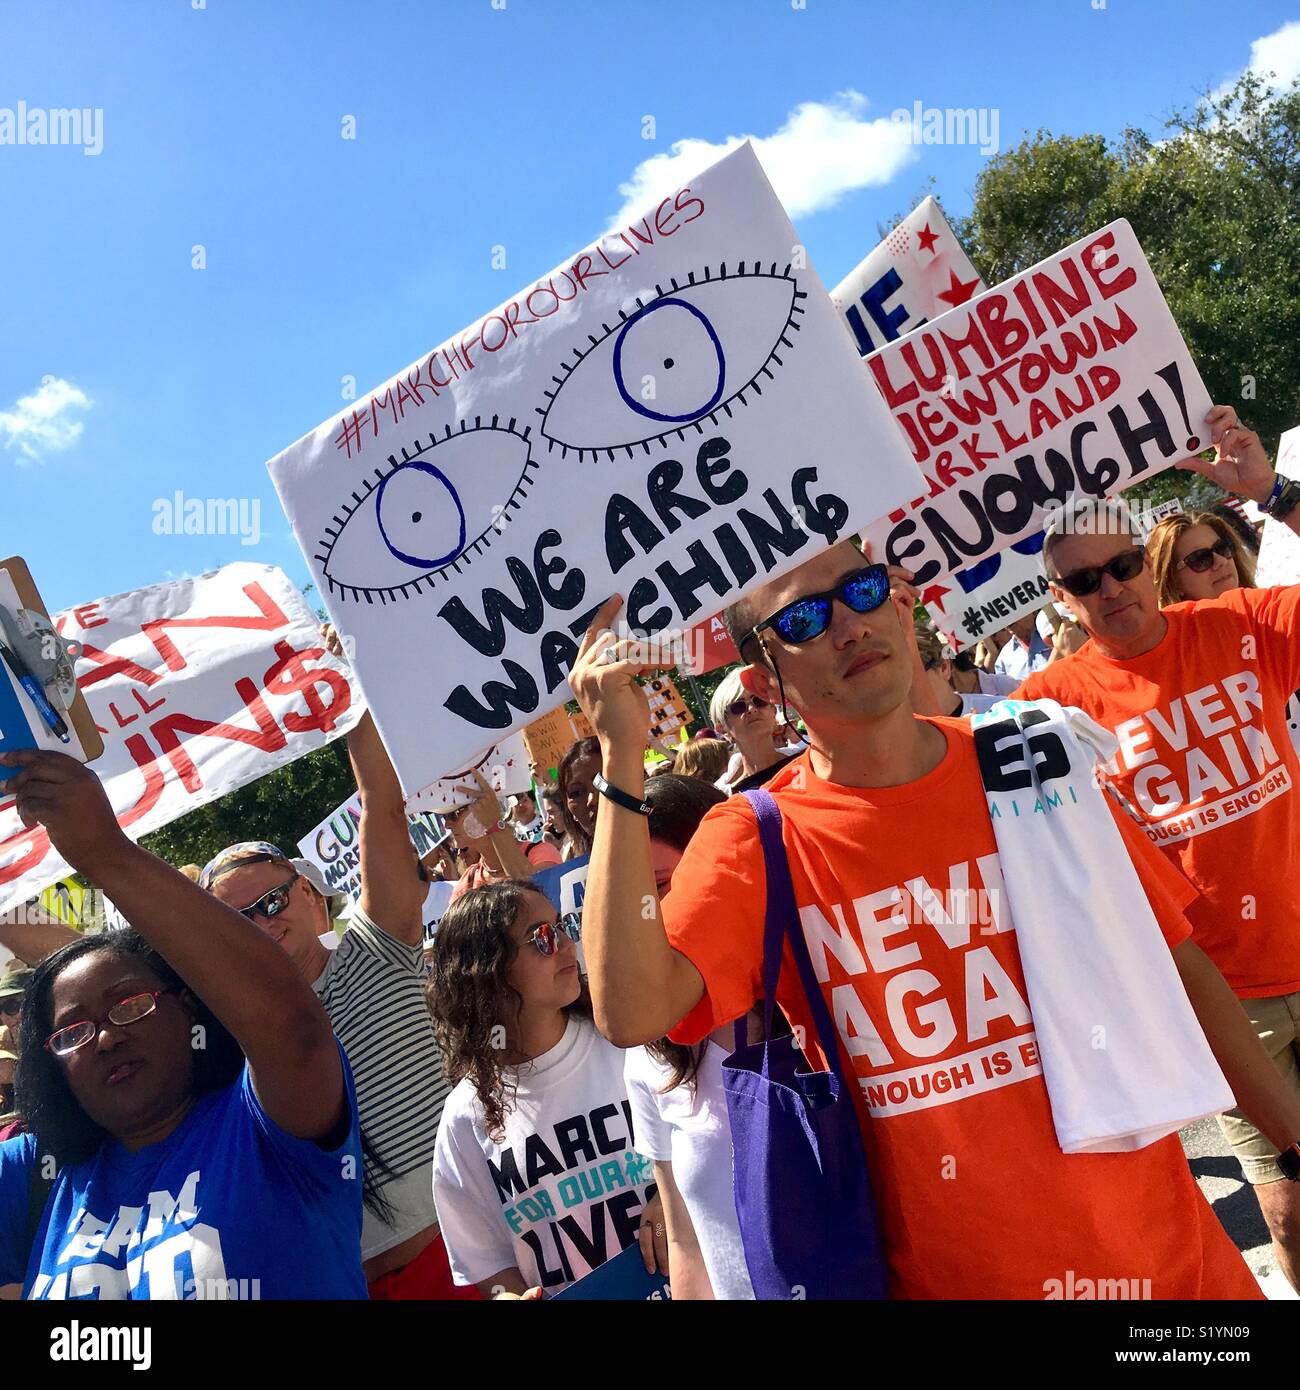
x,y
1276,1021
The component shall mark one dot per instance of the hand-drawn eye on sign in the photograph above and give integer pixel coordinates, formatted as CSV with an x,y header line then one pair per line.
x,y
692,352
433,510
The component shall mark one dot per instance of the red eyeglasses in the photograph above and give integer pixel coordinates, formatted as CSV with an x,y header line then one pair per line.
x,y
132,1009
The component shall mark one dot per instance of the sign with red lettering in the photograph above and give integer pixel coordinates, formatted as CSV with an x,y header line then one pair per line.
x,y
198,687
916,274
675,414
1070,379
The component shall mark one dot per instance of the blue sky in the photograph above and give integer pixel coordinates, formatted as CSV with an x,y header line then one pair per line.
x,y
126,374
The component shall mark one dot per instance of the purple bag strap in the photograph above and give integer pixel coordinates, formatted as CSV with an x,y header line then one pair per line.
x,y
782,922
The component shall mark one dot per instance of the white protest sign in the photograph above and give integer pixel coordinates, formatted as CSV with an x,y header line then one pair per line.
x,y
334,846
675,414
1279,546
436,901
993,594
1071,378
917,273
504,765
1279,556
198,687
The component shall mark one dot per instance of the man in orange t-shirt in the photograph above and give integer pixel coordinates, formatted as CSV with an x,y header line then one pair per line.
x,y
976,1197
1196,693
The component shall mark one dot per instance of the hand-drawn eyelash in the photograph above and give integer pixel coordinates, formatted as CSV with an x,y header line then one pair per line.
x,y
599,420
430,512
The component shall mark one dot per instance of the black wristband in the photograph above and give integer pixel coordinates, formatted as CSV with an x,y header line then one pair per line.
x,y
620,798
1286,501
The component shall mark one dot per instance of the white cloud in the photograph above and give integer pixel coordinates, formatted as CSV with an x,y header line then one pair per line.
x,y
42,422
1277,53
824,150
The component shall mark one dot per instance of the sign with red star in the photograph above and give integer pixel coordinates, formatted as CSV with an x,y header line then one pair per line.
x,y
959,291
917,273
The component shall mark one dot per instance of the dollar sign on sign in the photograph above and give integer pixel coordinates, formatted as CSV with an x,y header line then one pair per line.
x,y
291,675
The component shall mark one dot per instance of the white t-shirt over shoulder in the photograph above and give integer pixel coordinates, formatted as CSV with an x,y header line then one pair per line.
x,y
562,1190
689,1127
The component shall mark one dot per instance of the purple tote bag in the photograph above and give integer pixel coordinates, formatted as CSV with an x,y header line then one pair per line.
x,y
803,1193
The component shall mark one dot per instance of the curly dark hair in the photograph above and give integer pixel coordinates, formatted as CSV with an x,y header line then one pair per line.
x,y
584,748
51,1112
471,997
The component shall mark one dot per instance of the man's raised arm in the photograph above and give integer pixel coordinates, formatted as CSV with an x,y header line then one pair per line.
x,y
1241,464
392,891
640,986
31,934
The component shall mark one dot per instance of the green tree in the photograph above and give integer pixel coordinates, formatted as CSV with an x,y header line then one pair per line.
x,y
280,807
1215,203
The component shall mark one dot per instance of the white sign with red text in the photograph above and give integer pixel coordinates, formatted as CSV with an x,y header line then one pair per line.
x,y
1069,379
198,686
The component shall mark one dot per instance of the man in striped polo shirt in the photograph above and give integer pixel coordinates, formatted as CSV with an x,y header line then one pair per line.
x,y
373,990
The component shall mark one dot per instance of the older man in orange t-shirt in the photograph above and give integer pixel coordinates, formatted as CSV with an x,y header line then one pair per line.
x,y
1196,694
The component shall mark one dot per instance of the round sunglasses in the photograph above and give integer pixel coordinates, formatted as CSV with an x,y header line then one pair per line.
x,y
546,938
65,1041
1125,566
737,707
1198,561
808,617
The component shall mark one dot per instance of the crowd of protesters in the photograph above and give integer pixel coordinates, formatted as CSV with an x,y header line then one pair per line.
x,y
303,1112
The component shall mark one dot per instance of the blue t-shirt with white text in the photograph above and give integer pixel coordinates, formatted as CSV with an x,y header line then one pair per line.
x,y
227,1206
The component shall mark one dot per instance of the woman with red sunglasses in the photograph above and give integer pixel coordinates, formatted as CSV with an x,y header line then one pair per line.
x,y
535,1175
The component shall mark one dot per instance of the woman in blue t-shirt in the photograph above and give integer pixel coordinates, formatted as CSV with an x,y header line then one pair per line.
x,y
161,1163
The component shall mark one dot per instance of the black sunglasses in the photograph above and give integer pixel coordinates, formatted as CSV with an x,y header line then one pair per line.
x,y
1125,566
272,903
1200,560
737,707
863,591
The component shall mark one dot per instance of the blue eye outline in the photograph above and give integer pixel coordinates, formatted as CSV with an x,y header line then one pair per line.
x,y
372,487
697,421
668,301
414,560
